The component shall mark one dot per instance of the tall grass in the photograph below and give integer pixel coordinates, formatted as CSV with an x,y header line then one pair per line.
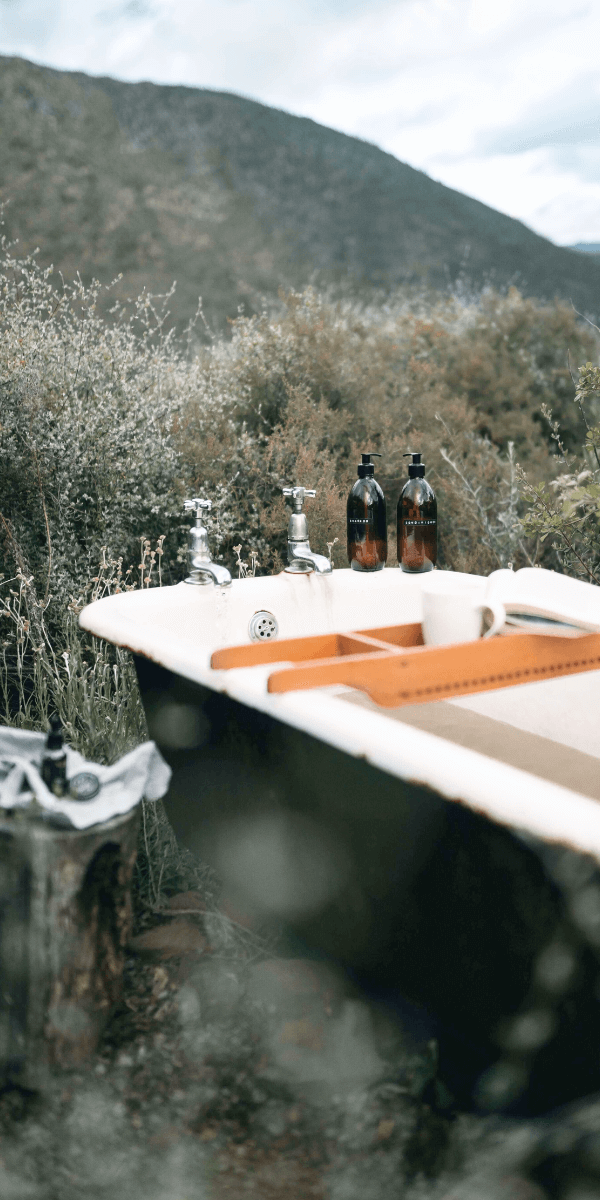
x,y
91,685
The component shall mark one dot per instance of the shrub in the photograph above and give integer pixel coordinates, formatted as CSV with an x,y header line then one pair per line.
x,y
306,388
87,410
91,685
567,509
511,356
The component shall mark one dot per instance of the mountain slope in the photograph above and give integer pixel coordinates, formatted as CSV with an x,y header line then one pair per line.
x,y
233,198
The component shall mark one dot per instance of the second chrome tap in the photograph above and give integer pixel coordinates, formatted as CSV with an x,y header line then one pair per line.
x,y
301,558
202,569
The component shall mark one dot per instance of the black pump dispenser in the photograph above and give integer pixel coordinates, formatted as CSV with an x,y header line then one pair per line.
x,y
417,520
366,468
54,739
54,762
366,519
416,469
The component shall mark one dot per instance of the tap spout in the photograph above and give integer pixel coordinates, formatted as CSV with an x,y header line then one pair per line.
x,y
302,559
203,571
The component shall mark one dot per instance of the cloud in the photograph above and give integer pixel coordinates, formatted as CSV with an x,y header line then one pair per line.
x,y
555,145
568,117
27,24
569,132
132,10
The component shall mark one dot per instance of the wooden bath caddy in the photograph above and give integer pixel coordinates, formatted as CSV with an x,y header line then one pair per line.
x,y
394,667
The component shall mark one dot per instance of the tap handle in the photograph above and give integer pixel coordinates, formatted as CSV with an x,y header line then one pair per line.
x,y
298,495
197,505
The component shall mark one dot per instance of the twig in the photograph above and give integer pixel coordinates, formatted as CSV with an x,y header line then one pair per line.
x,y
584,318
148,855
37,467
580,405
561,532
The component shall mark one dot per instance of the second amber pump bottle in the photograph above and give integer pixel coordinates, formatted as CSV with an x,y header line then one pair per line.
x,y
417,520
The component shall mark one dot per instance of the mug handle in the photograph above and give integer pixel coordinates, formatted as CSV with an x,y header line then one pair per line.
x,y
498,612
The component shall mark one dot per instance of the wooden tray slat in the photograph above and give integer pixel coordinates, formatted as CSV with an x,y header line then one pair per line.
x,y
397,635
439,672
393,667
326,645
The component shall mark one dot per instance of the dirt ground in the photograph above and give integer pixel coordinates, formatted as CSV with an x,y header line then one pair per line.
x,y
224,1075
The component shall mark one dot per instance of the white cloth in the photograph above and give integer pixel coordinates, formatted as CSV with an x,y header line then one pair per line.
x,y
141,774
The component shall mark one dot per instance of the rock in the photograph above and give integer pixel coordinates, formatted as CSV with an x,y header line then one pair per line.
x,y
297,987
314,1034
218,988
179,937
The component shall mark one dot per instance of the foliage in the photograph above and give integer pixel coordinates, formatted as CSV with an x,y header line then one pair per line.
x,y
91,685
86,414
567,509
316,382
510,357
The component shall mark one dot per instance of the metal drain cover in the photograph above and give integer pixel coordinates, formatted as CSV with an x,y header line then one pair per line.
x,y
262,627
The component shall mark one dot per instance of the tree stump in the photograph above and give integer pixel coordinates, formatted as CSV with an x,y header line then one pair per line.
x,y
65,918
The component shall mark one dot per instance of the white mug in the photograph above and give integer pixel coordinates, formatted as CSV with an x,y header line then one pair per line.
x,y
453,608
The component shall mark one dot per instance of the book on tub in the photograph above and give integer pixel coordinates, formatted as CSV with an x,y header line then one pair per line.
x,y
545,602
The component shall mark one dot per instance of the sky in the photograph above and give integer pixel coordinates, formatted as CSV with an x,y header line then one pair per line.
x,y
499,99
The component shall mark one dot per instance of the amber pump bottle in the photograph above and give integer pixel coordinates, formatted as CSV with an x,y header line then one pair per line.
x,y
417,520
367,520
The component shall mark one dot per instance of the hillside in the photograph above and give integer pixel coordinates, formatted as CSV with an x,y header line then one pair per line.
x,y
233,199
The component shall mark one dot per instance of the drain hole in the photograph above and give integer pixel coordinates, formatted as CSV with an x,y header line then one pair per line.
x,y
262,627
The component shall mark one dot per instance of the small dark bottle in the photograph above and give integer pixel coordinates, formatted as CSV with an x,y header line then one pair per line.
x,y
54,762
367,520
417,520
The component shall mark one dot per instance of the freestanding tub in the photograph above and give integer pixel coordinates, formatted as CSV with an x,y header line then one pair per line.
x,y
442,854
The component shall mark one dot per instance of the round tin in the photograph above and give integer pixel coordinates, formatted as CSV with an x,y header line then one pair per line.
x,y
84,786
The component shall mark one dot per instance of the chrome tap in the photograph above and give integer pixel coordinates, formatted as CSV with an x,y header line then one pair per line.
x,y
202,570
300,556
